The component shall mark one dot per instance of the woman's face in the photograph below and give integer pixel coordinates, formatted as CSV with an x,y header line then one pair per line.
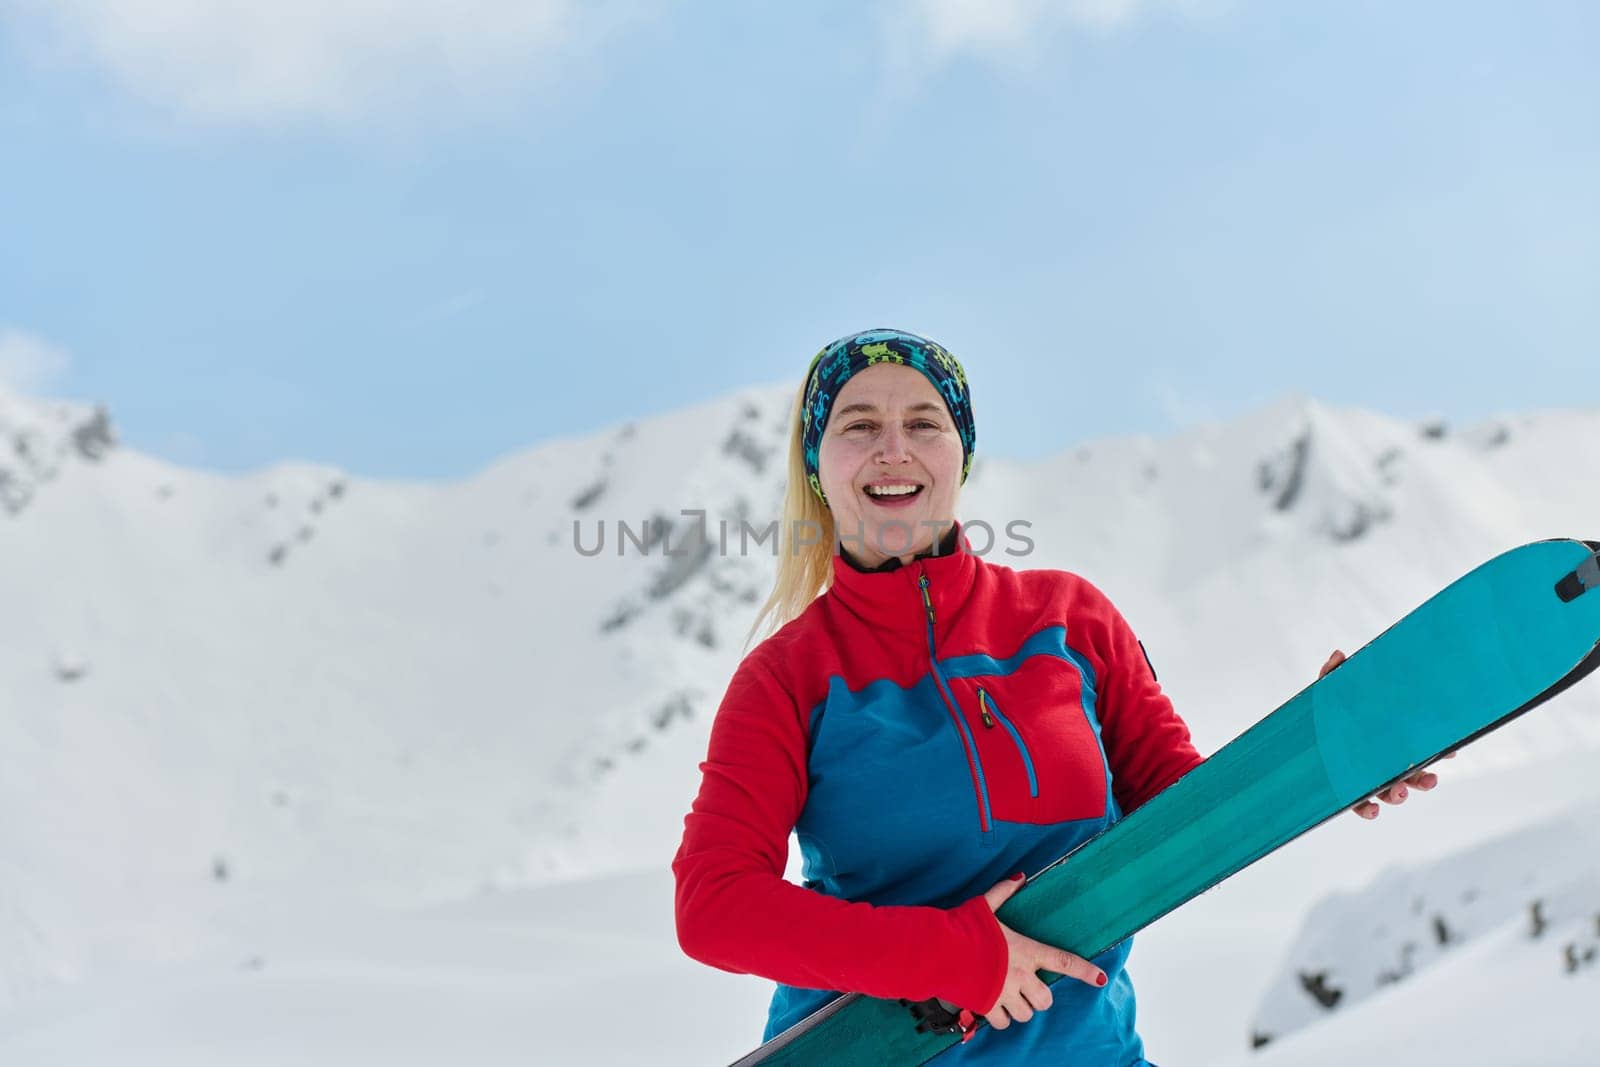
x,y
889,427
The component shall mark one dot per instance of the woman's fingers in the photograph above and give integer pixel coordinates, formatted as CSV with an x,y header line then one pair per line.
x,y
1064,962
1039,997
1029,1000
1003,890
1025,993
1333,661
1396,792
1368,809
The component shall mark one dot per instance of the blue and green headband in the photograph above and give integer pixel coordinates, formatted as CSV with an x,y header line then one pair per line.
x,y
843,359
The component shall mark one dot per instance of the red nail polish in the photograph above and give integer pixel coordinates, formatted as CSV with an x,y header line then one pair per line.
x,y
1100,979
1019,876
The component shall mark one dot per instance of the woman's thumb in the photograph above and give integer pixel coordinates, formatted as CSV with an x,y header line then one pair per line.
x,y
1002,891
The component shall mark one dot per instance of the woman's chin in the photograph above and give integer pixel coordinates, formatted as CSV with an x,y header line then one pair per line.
x,y
900,534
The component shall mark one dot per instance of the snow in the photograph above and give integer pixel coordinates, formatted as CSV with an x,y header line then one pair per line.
x,y
304,767
1500,1000
1355,946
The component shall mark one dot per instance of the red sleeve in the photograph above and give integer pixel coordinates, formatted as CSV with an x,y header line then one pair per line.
x,y
736,912
1147,744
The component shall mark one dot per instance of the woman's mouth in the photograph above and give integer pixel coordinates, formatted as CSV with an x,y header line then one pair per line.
x,y
893,496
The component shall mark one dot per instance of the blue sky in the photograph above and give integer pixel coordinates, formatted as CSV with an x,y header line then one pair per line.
x,y
409,243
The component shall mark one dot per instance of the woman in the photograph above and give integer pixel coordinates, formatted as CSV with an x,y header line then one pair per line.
x,y
933,727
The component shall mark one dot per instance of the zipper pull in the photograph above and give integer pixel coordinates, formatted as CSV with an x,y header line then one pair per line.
x,y
983,706
927,601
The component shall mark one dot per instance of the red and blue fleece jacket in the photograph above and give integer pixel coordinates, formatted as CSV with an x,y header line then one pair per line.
x,y
926,731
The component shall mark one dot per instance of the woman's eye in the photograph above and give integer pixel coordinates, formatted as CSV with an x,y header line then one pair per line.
x,y
920,424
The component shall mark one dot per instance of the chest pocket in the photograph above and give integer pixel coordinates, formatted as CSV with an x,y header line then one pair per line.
x,y
1034,723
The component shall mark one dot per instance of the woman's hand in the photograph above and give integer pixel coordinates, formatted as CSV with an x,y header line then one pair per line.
x,y
1024,991
1395,792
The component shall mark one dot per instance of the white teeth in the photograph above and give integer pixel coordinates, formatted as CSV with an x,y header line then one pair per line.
x,y
891,490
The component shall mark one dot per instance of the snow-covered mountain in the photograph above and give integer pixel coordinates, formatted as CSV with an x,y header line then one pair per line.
x,y
1542,880
229,700
40,439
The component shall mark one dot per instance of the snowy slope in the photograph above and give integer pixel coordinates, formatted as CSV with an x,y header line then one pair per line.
x,y
1543,879
235,701
296,678
1502,999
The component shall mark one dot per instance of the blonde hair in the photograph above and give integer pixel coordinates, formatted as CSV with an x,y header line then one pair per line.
x,y
803,570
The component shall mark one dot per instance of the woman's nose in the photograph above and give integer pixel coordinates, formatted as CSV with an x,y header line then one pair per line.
x,y
893,447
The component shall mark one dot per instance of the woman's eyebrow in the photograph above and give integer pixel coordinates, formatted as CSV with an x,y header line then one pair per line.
x,y
926,405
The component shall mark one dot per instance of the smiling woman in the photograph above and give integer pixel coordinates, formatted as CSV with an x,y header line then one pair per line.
x,y
1018,703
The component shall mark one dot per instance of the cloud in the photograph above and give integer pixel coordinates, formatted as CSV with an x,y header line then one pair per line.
x,y
31,364
950,26
1007,30
258,62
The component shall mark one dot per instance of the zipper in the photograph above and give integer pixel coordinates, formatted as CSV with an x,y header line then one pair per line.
x,y
967,740
985,703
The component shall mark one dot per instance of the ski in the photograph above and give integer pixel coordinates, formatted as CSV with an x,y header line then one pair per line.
x,y
1492,645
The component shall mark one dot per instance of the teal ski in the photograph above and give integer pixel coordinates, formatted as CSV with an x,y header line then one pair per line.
x,y
1495,643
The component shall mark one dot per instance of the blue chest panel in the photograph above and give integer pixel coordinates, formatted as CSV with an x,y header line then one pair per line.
x,y
933,792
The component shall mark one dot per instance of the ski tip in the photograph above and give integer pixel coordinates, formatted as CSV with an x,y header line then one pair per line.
x,y
1580,580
